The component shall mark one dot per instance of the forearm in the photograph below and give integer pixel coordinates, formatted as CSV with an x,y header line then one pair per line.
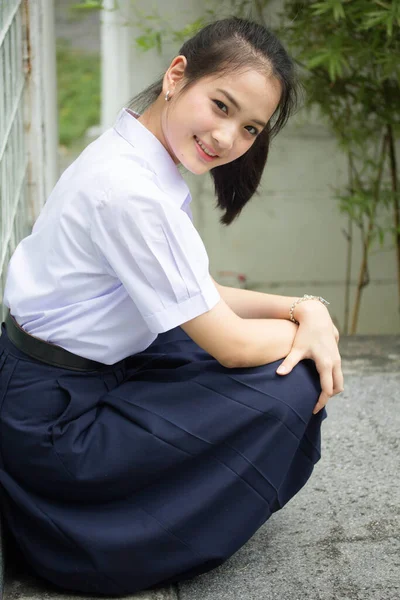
x,y
248,304
265,341
256,305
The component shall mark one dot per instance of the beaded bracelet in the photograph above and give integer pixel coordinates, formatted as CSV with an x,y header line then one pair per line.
x,y
305,297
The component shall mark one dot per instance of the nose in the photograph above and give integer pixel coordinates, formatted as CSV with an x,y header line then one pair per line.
x,y
224,138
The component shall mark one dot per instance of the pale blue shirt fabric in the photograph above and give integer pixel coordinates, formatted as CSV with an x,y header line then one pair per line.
x,y
114,258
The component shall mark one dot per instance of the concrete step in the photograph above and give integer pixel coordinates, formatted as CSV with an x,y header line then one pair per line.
x,y
339,538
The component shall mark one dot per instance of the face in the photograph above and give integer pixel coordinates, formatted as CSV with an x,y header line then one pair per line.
x,y
217,119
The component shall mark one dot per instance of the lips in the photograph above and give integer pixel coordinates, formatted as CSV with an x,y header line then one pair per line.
x,y
200,143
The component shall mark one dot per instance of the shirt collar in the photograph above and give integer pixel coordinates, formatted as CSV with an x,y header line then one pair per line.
x,y
152,150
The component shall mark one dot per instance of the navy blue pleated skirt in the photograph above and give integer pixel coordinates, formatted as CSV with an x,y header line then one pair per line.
x,y
150,471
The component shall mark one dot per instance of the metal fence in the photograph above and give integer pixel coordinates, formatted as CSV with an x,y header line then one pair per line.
x,y
28,119
15,213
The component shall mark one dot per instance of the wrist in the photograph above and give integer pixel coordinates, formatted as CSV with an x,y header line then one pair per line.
x,y
307,308
307,305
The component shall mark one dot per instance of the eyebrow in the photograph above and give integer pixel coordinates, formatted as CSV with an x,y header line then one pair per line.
x,y
236,105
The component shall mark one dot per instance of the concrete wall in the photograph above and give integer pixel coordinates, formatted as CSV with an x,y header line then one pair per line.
x,y
289,239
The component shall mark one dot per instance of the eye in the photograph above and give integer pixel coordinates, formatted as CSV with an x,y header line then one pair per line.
x,y
221,105
255,130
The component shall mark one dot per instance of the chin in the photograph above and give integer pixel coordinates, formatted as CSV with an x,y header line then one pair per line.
x,y
197,169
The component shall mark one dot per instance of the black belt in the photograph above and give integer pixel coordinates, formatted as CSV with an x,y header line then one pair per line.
x,y
45,352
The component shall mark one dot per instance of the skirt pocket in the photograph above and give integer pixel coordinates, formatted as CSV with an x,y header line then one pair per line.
x,y
109,447
6,371
2,359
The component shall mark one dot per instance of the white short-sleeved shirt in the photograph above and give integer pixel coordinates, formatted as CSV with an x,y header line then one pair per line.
x,y
114,258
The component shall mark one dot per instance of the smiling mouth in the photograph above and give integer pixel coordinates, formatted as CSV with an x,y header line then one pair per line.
x,y
204,148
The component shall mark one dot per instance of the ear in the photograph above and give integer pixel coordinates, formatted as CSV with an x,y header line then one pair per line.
x,y
174,74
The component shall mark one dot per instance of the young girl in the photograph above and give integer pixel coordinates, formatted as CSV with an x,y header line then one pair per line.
x,y
145,431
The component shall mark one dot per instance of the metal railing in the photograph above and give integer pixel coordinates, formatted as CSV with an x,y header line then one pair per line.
x,y
28,120
15,213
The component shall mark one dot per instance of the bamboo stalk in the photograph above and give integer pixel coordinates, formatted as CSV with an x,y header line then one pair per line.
x,y
396,203
349,237
363,273
348,277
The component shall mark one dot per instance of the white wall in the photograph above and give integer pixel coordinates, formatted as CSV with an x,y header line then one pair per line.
x,y
126,70
289,238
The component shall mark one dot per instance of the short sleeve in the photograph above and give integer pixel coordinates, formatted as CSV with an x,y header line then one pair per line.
x,y
153,248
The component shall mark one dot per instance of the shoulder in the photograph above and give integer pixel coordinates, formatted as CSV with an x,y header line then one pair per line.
x,y
112,164
118,182
133,192
132,202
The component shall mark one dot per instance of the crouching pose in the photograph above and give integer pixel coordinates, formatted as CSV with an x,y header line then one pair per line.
x,y
146,431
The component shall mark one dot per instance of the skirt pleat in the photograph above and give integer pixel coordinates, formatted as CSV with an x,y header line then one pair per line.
x,y
151,471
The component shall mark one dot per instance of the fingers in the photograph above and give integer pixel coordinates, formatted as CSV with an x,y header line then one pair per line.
x,y
294,357
336,334
331,377
322,401
330,372
324,369
338,381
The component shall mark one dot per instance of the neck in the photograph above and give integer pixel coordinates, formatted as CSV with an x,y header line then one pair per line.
x,y
153,119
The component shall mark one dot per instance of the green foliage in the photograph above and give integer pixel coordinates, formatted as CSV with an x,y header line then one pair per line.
x,y
88,5
349,51
78,93
345,37
158,30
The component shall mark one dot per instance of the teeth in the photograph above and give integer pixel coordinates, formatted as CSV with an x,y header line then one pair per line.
x,y
204,148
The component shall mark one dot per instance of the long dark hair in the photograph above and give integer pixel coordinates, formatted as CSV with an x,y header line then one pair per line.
x,y
228,45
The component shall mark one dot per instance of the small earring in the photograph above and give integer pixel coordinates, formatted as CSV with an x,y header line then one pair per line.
x,y
167,98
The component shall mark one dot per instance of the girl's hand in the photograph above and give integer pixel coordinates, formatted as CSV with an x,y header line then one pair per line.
x,y
317,338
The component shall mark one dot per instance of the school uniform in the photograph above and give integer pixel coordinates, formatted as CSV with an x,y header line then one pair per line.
x,y
129,456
